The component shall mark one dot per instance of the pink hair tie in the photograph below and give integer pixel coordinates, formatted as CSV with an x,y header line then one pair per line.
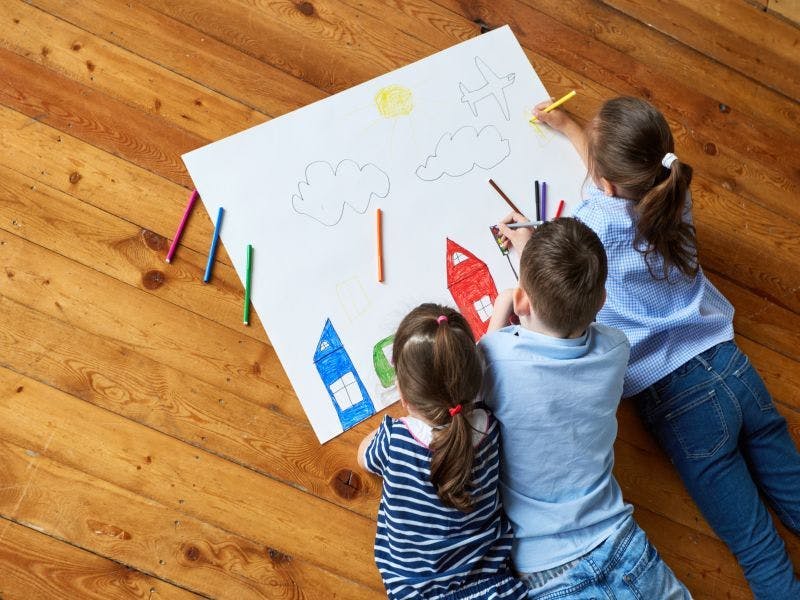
x,y
441,319
455,410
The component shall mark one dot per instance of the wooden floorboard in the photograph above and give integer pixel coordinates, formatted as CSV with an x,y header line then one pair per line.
x,y
151,446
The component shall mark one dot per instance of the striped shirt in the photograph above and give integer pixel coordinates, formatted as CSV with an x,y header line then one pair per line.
x,y
426,549
667,322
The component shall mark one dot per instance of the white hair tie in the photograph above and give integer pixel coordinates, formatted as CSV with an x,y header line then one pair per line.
x,y
668,159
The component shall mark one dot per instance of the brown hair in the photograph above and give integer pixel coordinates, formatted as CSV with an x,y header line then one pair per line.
x,y
627,141
438,367
563,270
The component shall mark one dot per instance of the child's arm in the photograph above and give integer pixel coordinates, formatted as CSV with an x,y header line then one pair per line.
x,y
502,311
560,121
362,449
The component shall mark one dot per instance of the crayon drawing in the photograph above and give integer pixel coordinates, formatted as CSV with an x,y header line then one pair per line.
x,y
472,287
494,86
352,298
341,380
382,360
326,189
459,153
394,101
420,143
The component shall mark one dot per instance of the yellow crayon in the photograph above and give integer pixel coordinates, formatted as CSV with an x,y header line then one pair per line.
x,y
555,104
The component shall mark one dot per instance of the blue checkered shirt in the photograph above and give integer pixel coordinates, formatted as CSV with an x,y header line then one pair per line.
x,y
667,321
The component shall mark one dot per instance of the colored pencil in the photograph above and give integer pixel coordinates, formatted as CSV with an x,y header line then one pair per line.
x,y
556,104
213,250
504,197
537,200
248,280
560,208
527,224
379,242
181,225
543,205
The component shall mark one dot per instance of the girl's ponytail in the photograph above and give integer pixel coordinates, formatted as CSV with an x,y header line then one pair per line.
x,y
630,145
439,372
661,228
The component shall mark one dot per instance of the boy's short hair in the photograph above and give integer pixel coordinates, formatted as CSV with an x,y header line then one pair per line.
x,y
563,271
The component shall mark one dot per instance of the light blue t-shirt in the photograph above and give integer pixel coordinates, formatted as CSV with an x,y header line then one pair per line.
x,y
556,400
667,321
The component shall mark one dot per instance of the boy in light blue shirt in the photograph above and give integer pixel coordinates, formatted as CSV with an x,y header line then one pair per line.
x,y
554,383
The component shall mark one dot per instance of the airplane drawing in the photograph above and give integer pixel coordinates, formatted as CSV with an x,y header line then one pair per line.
x,y
494,85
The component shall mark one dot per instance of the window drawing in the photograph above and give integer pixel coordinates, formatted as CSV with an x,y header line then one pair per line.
x,y
483,306
345,391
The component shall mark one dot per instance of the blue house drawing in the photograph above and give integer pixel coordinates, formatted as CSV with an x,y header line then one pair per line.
x,y
339,376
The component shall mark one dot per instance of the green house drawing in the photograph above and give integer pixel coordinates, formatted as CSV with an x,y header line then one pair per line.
x,y
382,359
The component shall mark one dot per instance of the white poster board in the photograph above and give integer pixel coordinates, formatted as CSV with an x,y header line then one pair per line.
x,y
420,143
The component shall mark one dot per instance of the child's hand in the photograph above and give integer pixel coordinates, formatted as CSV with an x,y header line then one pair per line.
x,y
514,238
563,123
557,119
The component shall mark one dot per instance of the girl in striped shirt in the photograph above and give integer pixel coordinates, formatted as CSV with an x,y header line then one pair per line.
x,y
441,531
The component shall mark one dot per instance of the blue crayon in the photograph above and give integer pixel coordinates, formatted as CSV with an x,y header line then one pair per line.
x,y
213,250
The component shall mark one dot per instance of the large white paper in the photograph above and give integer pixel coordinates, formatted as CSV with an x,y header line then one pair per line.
x,y
421,143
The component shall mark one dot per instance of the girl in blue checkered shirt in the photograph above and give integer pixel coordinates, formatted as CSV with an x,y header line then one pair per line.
x,y
696,391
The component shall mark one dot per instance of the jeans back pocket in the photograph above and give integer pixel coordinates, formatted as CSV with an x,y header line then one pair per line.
x,y
699,425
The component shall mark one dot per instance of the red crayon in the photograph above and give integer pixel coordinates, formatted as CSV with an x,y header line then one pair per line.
x,y
181,225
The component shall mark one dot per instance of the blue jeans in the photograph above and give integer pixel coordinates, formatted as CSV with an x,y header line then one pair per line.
x,y
715,419
625,566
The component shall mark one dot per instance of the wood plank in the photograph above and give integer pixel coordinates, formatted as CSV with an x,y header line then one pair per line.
x,y
35,565
702,562
789,9
44,95
325,43
748,243
122,75
144,535
760,320
735,33
739,95
117,378
185,50
79,296
185,479
103,180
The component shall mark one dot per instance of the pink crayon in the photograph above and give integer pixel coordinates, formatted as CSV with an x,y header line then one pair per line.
x,y
179,232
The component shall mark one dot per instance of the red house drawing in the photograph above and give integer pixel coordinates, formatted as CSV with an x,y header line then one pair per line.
x,y
471,286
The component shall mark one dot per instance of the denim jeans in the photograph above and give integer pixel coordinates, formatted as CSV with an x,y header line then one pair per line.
x,y
715,419
625,566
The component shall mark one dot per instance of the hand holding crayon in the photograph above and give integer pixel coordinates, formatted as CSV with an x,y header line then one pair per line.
x,y
514,238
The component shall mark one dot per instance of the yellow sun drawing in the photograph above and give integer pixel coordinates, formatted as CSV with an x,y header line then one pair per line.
x,y
394,101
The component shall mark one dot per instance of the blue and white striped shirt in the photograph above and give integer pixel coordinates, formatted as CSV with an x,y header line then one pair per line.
x,y
667,321
423,547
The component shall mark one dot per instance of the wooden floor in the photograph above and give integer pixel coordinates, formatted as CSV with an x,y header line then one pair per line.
x,y
150,445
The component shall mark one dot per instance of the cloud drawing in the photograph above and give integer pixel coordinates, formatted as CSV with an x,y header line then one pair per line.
x,y
326,189
458,153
